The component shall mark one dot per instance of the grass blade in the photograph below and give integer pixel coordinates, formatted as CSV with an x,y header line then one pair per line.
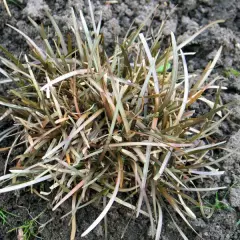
x,y
108,206
30,41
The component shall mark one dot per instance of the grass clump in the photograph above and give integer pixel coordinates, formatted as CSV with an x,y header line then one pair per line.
x,y
99,124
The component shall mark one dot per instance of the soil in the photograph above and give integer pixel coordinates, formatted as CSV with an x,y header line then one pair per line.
x,y
185,17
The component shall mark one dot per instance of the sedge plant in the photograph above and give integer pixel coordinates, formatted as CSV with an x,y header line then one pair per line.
x,y
95,125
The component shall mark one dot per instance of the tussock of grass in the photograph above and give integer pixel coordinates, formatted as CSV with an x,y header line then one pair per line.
x,y
108,124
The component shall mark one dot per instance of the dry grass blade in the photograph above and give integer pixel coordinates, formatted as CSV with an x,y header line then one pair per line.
x,y
72,192
7,8
163,166
64,77
30,41
186,89
108,206
160,222
190,39
24,185
200,82
63,44
74,222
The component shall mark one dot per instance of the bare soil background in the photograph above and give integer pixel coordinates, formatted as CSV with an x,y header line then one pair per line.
x,y
185,17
